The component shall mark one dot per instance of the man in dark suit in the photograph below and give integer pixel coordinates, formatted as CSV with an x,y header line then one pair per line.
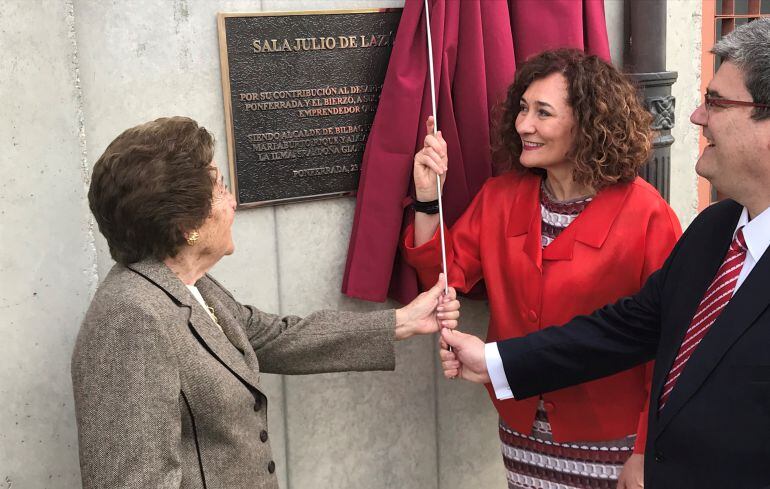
x,y
703,317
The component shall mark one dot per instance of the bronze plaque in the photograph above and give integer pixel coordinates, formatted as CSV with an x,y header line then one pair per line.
x,y
301,90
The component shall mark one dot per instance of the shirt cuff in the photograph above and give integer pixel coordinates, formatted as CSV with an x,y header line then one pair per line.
x,y
497,372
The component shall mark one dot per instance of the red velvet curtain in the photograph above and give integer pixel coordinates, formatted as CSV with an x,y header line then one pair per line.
x,y
476,44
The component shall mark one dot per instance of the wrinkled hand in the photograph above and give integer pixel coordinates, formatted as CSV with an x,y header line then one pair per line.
x,y
466,360
632,475
428,312
430,161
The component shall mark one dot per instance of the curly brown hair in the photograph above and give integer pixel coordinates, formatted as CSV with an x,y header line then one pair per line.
x,y
153,184
613,138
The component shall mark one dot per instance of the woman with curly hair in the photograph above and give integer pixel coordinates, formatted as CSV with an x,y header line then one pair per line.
x,y
567,228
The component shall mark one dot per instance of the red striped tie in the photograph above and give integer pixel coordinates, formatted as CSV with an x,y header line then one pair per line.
x,y
714,301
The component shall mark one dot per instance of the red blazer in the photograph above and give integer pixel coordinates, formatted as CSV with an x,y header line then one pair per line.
x,y
608,252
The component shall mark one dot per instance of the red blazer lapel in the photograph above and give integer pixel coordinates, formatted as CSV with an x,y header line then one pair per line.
x,y
592,226
525,218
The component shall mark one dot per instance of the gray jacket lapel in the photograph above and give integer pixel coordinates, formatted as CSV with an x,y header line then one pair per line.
x,y
230,324
201,324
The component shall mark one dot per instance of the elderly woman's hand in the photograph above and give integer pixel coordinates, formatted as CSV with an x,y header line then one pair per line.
x,y
428,312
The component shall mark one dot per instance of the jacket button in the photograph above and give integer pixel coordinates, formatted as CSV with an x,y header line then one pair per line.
x,y
263,436
532,315
659,457
549,406
271,466
257,404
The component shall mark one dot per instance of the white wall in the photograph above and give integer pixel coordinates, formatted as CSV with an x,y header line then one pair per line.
x,y
683,55
47,259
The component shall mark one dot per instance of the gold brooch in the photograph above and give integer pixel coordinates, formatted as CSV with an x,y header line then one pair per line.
x,y
213,316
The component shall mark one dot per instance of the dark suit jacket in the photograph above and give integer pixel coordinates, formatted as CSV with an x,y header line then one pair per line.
x,y
165,399
715,428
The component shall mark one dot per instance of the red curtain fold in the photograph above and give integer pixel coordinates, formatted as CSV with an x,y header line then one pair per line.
x,y
475,47
538,25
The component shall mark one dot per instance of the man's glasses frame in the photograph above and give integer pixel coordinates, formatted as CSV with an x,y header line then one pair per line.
x,y
723,103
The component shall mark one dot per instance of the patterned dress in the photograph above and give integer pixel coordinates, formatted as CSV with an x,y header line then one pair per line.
x,y
534,460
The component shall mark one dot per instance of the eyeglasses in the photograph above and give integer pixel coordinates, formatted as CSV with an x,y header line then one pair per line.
x,y
221,186
722,103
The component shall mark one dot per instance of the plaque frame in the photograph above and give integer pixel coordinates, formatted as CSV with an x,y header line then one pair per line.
x,y
227,95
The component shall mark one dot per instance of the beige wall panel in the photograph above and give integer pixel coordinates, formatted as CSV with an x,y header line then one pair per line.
x,y
613,13
468,441
683,55
47,259
356,429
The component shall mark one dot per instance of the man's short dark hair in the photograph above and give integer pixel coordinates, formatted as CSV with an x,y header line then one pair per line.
x,y
748,47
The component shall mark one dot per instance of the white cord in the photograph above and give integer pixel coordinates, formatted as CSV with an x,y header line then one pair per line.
x,y
435,131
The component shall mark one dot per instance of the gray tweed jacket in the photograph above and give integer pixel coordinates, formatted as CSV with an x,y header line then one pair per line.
x,y
165,399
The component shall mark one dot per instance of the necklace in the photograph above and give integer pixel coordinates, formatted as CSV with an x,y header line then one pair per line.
x,y
548,190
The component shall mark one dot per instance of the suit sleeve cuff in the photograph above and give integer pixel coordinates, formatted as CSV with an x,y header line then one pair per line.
x,y
496,372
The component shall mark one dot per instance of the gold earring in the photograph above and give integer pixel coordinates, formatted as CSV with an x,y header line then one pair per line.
x,y
192,238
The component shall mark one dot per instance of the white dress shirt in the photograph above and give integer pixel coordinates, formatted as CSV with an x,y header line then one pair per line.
x,y
756,232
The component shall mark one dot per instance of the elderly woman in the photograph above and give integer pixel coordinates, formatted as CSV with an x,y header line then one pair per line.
x,y
568,228
166,369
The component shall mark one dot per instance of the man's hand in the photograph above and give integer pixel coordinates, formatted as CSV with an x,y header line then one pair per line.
x,y
632,475
466,360
428,312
